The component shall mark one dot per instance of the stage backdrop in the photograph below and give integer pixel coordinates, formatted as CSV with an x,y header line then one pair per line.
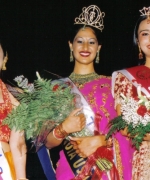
x,y
34,33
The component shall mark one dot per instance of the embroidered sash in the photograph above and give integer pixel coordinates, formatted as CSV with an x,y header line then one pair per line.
x,y
75,161
139,75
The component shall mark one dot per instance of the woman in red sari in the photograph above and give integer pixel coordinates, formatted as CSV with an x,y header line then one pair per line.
x,y
7,137
126,82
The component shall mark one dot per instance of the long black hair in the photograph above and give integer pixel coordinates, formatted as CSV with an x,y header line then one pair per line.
x,y
72,31
135,38
3,47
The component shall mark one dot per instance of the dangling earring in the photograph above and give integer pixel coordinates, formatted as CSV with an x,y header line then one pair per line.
x,y
97,58
4,62
71,56
140,53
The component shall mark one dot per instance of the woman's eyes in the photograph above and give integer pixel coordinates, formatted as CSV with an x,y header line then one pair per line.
x,y
81,42
91,42
145,34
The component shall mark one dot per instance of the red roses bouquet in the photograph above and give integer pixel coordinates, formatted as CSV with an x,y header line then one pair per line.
x,y
135,117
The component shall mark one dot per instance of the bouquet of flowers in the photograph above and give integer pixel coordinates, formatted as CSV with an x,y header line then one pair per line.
x,y
135,117
43,105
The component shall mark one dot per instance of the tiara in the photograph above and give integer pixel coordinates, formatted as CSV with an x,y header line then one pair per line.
x,y
146,12
91,16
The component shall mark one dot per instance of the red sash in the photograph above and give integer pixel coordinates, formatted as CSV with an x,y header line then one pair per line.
x,y
138,75
141,75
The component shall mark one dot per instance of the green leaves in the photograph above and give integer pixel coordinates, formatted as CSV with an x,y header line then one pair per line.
x,y
43,104
115,125
136,134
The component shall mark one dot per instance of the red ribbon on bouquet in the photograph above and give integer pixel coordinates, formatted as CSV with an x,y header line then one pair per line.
x,y
91,163
102,153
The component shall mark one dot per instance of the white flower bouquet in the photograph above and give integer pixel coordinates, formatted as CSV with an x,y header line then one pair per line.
x,y
135,117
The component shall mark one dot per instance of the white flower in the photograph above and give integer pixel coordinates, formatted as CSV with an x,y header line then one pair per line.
x,y
23,83
129,107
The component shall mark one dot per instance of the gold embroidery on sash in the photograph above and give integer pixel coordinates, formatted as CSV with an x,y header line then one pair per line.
x,y
72,155
68,146
79,163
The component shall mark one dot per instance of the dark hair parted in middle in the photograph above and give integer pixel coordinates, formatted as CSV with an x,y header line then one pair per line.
x,y
72,31
135,39
135,36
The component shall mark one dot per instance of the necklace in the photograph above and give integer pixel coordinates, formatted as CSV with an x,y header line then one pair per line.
x,y
81,79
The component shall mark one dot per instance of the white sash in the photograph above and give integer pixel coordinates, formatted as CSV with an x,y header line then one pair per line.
x,y
4,166
88,112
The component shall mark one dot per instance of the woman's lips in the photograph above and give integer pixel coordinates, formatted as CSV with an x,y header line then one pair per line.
x,y
84,53
148,46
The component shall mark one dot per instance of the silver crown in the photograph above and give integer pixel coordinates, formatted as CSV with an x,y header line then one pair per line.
x,y
91,16
145,11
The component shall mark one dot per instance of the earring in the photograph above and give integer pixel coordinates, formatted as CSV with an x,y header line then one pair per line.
x,y
140,53
97,58
4,62
71,56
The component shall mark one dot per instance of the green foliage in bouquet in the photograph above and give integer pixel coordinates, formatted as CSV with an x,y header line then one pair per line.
x,y
135,118
136,134
48,102
115,125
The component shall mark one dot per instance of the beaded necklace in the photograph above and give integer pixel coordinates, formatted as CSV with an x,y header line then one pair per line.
x,y
81,79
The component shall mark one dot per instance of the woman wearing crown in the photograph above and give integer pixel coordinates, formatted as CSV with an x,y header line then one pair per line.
x,y
86,157
126,82
78,159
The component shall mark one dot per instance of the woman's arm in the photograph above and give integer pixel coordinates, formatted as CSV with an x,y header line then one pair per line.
x,y
72,123
18,149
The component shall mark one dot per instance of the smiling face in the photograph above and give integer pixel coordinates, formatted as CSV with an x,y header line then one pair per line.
x,y
85,46
1,57
144,37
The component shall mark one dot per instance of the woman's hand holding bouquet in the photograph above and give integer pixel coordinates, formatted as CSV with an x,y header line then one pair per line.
x,y
135,119
74,122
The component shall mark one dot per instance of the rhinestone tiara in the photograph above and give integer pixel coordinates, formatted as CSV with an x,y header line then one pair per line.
x,y
91,16
145,11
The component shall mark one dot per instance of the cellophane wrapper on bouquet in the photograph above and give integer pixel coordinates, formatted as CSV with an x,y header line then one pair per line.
x,y
44,104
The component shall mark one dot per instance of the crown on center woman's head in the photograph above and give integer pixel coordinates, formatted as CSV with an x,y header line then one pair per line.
x,y
91,16
146,12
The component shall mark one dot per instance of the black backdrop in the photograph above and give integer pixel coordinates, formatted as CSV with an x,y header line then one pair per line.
x,y
34,33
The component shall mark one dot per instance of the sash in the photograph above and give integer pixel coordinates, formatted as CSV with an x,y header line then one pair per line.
x,y
76,162
4,166
45,160
139,75
86,109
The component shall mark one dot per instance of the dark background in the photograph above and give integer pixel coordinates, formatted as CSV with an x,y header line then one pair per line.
x,y
34,33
